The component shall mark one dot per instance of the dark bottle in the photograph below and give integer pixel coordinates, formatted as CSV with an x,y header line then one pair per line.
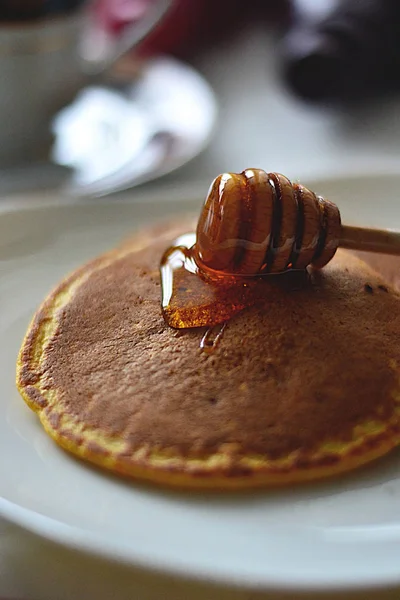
x,y
348,49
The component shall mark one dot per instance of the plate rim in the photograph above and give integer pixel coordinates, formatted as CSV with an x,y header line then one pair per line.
x,y
98,546
91,543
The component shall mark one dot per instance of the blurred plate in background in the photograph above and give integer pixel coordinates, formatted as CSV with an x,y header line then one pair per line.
x,y
124,130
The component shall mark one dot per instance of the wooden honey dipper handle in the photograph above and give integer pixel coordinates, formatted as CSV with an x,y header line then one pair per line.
x,y
370,240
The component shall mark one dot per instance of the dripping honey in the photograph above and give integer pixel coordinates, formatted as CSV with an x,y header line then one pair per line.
x,y
212,337
198,297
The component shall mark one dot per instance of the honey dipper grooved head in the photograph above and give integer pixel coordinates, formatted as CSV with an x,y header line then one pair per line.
x,y
257,222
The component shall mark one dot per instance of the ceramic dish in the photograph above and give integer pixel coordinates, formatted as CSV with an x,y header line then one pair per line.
x,y
340,534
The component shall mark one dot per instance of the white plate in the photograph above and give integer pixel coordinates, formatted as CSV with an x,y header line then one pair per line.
x,y
125,131
343,533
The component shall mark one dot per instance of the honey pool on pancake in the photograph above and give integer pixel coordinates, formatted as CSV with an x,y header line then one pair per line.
x,y
197,297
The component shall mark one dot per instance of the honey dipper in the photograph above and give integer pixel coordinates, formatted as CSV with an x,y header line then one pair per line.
x,y
258,222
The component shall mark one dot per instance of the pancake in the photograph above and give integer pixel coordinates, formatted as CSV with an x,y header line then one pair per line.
x,y
305,384
388,266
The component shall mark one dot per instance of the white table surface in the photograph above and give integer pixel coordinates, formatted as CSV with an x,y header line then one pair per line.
x,y
260,126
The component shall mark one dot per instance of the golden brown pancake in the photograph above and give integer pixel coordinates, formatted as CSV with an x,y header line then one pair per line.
x,y
303,385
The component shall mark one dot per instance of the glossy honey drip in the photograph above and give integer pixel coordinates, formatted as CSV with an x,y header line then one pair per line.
x,y
212,337
192,297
